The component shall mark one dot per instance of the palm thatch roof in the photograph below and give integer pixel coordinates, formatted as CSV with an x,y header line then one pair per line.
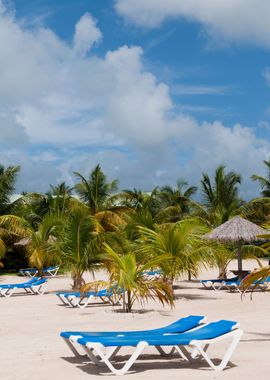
x,y
237,229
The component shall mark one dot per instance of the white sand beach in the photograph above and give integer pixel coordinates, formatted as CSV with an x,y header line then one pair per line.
x,y
31,348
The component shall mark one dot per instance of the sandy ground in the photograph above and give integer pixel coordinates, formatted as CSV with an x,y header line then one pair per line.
x,y
30,346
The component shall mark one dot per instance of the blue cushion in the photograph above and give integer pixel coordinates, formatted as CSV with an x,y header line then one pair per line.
x,y
183,324
210,331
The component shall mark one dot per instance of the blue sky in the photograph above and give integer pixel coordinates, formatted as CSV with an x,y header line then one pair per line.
x,y
152,90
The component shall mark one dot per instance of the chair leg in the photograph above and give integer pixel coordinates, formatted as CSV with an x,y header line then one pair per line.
x,y
202,347
62,299
72,347
86,303
9,292
99,348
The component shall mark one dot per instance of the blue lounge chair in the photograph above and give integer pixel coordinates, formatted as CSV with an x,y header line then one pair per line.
x,y
33,287
32,272
217,283
153,274
197,340
181,325
81,300
233,286
3,286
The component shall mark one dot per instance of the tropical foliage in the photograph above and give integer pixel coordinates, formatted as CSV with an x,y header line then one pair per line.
x,y
7,183
79,244
264,181
95,190
128,270
90,226
220,196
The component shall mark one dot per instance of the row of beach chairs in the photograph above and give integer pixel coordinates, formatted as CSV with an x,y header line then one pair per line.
x,y
189,337
82,300
36,285
32,272
234,284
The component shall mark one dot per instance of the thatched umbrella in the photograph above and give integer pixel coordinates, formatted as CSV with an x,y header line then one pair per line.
x,y
237,230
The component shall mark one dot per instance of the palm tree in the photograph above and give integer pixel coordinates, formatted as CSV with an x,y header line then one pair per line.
x,y
80,243
95,190
221,197
257,210
41,244
175,201
7,181
182,244
264,181
141,217
59,198
127,268
140,200
11,229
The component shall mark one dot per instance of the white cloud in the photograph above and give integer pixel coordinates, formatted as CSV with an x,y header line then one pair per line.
x,y
63,111
12,133
224,20
86,34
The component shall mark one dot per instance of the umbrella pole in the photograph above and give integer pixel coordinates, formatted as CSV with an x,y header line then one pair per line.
x,y
239,259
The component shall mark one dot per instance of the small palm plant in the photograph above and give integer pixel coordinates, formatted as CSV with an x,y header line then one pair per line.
x,y
127,267
255,278
260,274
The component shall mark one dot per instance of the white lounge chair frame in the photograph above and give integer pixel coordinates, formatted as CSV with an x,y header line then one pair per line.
x,y
33,289
32,272
100,355
84,301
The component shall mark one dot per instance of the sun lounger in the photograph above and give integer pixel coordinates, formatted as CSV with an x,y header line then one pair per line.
x,y
32,272
181,325
217,283
33,287
2,286
153,274
81,300
190,345
233,286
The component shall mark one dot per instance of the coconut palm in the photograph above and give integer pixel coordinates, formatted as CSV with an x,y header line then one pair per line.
x,y
80,243
7,181
220,197
264,181
11,229
175,201
41,244
181,243
96,194
127,267
140,200
94,191
58,198
257,210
